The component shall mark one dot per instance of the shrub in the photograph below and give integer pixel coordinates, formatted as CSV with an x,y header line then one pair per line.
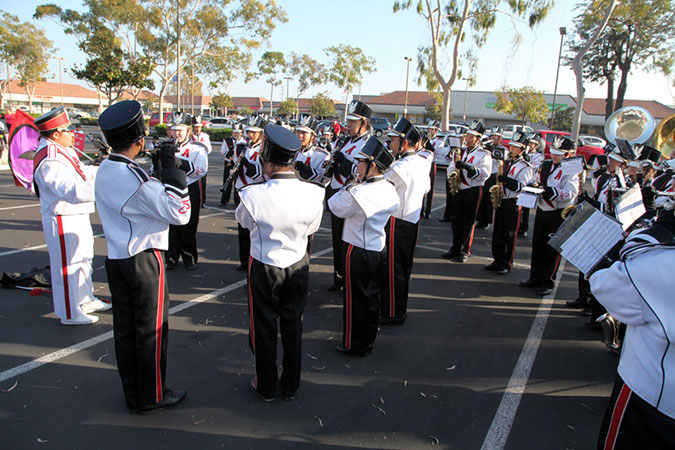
x,y
159,130
217,135
88,121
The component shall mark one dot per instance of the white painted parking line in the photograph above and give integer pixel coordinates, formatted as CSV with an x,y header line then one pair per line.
x,y
19,207
37,247
59,354
506,413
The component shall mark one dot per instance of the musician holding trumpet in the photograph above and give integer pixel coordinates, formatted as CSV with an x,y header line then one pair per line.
x,y
512,177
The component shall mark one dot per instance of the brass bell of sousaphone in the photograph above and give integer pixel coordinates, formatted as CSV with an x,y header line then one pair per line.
x,y
663,137
632,123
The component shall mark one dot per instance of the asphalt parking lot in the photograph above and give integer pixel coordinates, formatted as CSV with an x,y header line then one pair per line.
x,y
480,362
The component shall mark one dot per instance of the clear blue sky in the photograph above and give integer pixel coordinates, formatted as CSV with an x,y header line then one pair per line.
x,y
388,37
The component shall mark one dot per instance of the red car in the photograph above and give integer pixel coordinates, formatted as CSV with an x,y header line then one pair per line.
x,y
154,119
587,151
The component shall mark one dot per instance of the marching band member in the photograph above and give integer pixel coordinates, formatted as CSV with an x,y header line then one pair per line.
x,y
358,116
435,143
312,161
447,212
136,211
535,155
250,171
560,191
366,208
410,175
199,136
193,160
227,149
517,172
498,152
66,192
474,168
278,265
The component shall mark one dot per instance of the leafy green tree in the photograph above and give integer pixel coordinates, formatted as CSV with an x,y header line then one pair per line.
x,y
288,107
449,23
637,36
220,102
321,105
563,119
433,111
270,66
524,103
245,110
348,66
307,70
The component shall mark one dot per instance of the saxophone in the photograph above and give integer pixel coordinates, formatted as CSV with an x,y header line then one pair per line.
x,y
453,177
496,192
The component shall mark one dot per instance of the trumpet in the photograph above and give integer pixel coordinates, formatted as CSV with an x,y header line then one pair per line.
x,y
496,192
453,177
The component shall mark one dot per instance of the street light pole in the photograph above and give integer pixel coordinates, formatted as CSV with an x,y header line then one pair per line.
x,y
563,31
288,80
466,96
60,75
407,75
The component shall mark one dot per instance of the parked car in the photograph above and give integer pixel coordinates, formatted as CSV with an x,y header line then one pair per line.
x,y
457,128
595,141
583,149
154,119
441,156
220,123
381,126
510,129
74,113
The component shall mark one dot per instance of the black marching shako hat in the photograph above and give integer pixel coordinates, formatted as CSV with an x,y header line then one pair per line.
x,y
358,111
197,120
650,153
477,128
257,122
561,145
496,131
375,151
279,146
237,128
181,120
122,124
519,139
625,150
307,123
406,130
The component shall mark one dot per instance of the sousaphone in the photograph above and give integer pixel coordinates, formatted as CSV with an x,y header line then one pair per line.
x,y
663,137
632,123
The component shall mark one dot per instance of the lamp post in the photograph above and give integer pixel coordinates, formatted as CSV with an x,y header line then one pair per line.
x,y
288,79
563,31
60,76
466,96
407,75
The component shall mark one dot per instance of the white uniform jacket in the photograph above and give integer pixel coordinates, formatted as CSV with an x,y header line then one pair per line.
x,y
204,139
250,170
136,209
565,187
521,171
64,185
194,153
366,208
350,149
410,175
638,292
437,143
481,159
226,151
317,159
536,159
605,183
280,213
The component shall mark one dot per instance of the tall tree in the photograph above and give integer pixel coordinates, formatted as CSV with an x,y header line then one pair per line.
x,y
32,58
270,66
524,103
348,66
637,36
220,102
449,23
307,71
321,105
287,107
10,49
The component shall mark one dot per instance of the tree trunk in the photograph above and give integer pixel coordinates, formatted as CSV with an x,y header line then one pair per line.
x,y
623,85
578,71
271,99
162,91
609,103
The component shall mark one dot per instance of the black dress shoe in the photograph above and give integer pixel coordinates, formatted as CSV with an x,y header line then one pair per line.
x,y
482,226
170,265
576,303
191,266
132,406
393,320
222,205
343,349
449,255
170,399
461,258
335,287
240,267
544,291
502,271
587,311
494,265
529,283
288,397
256,392
444,219
522,233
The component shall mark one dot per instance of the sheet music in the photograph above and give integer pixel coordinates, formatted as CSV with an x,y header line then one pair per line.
x,y
529,197
454,142
630,207
572,166
591,241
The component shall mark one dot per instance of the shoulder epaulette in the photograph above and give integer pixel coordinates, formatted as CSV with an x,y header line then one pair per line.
x,y
253,184
313,182
200,144
142,176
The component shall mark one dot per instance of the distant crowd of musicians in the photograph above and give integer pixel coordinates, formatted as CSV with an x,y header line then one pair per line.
x,y
376,192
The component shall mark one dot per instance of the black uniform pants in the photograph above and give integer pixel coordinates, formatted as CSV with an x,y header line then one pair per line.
x,y
401,240
429,197
525,220
545,259
202,182
507,221
225,196
485,210
360,312
447,214
336,226
631,423
464,210
275,293
244,236
183,238
140,301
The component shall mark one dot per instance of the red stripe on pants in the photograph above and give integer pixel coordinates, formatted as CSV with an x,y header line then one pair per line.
x,y
348,298
515,238
473,227
64,265
392,284
250,307
158,328
617,416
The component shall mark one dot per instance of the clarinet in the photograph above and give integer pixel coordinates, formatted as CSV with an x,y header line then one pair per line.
x,y
339,143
